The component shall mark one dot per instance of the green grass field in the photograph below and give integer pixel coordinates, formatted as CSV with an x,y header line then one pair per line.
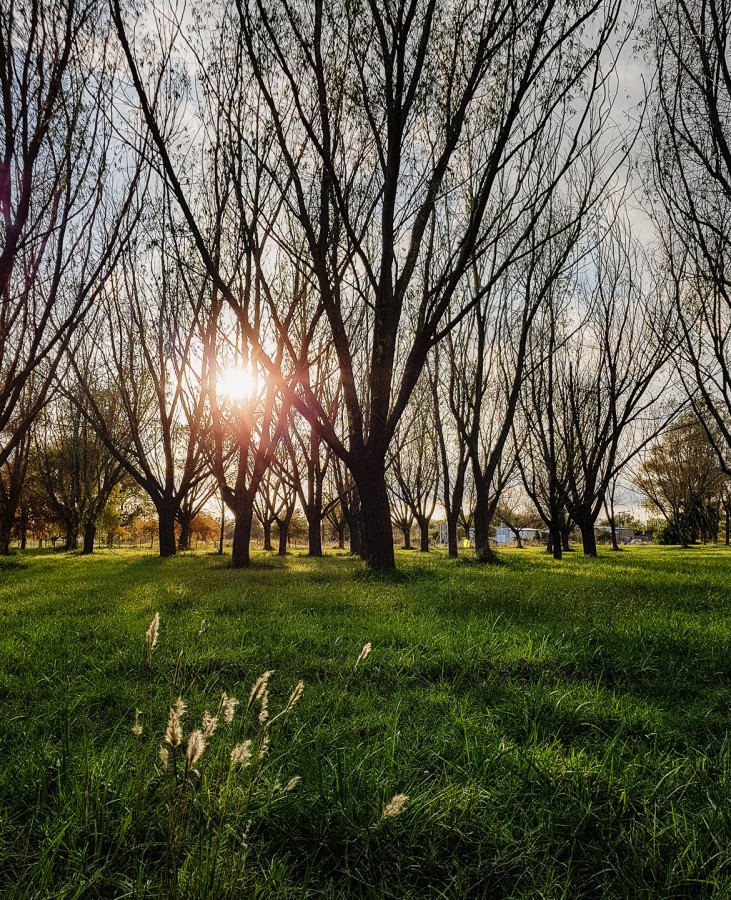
x,y
561,729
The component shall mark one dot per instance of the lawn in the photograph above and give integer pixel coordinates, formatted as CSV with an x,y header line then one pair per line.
x,y
561,729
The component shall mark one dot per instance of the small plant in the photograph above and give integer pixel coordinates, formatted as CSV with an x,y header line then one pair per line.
x,y
210,783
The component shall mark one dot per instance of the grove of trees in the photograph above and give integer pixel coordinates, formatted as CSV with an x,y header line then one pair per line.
x,y
361,267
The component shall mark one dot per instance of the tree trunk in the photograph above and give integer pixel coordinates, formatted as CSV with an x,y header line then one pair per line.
x,y
565,532
241,544
727,510
283,537
6,527
555,544
341,535
314,535
184,539
588,536
166,529
613,533
483,551
355,527
377,535
222,529
267,528
452,543
406,532
424,536
89,537
72,536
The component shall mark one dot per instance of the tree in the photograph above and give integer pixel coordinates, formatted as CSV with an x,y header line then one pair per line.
x,y
414,469
75,470
612,378
143,374
682,481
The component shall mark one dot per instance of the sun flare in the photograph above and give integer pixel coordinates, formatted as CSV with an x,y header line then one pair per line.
x,y
238,383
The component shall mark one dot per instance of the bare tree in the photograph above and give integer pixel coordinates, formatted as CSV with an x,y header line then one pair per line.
x,y
612,379
414,468
75,470
449,395
147,356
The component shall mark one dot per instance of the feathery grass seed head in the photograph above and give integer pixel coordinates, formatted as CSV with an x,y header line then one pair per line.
x,y
196,746
151,636
174,731
395,806
296,694
164,757
259,687
241,755
209,725
137,727
228,707
364,653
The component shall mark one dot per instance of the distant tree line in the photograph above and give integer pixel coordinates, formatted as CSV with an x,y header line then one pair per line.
x,y
356,266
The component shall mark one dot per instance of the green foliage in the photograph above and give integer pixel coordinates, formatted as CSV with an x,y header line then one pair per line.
x,y
561,729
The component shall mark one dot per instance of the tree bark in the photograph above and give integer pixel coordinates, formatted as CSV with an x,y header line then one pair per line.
x,y
6,527
166,529
341,536
377,535
613,533
355,527
184,539
240,548
89,537
283,537
72,536
483,551
727,511
588,536
555,545
267,528
565,533
406,532
452,542
424,536
314,536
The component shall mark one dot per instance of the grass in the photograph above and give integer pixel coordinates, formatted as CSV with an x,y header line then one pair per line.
x,y
560,729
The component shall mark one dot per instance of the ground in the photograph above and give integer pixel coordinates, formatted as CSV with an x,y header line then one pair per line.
x,y
561,729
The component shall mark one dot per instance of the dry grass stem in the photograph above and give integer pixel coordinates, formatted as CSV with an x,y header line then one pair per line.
x,y
364,653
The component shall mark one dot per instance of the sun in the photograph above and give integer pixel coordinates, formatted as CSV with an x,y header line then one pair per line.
x,y
237,383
